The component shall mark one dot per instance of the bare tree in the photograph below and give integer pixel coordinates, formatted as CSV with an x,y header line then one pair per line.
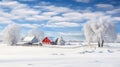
x,y
11,34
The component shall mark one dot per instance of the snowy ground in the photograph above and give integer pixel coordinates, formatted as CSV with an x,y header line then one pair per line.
x,y
65,56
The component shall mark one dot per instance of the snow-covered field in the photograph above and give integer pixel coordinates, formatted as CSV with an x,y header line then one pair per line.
x,y
65,56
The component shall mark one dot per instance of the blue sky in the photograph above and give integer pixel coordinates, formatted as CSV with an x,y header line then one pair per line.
x,y
58,17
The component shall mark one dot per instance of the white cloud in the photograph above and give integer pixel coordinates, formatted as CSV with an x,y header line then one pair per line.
x,y
24,13
56,16
77,36
11,4
49,13
27,0
62,24
104,6
37,18
58,19
116,19
50,34
7,0
4,3
73,16
83,1
92,15
114,11
5,14
18,11
5,20
30,25
56,9
71,33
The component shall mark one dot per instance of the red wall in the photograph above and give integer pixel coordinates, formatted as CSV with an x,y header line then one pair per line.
x,y
46,40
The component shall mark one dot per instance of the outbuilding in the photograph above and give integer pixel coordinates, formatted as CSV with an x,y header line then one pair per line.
x,y
28,40
46,40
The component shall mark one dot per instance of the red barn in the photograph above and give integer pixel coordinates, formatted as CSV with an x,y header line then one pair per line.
x,y
46,40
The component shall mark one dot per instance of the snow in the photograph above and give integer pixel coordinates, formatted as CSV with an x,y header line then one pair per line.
x,y
37,33
47,56
11,34
28,38
100,30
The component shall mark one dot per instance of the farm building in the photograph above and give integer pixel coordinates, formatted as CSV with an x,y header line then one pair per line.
x,y
46,40
28,40
56,41
51,41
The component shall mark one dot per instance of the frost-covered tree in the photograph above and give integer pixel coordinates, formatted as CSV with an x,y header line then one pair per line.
x,y
99,31
11,34
60,41
37,33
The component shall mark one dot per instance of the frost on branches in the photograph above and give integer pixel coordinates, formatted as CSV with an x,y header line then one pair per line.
x,y
37,33
99,31
11,34
60,41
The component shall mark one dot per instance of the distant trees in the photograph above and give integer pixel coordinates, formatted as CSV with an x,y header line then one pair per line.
x,y
37,33
60,41
11,34
100,31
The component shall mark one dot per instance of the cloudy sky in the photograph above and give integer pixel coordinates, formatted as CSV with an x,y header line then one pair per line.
x,y
58,17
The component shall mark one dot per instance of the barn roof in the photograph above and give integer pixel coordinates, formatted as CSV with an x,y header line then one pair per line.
x,y
28,38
